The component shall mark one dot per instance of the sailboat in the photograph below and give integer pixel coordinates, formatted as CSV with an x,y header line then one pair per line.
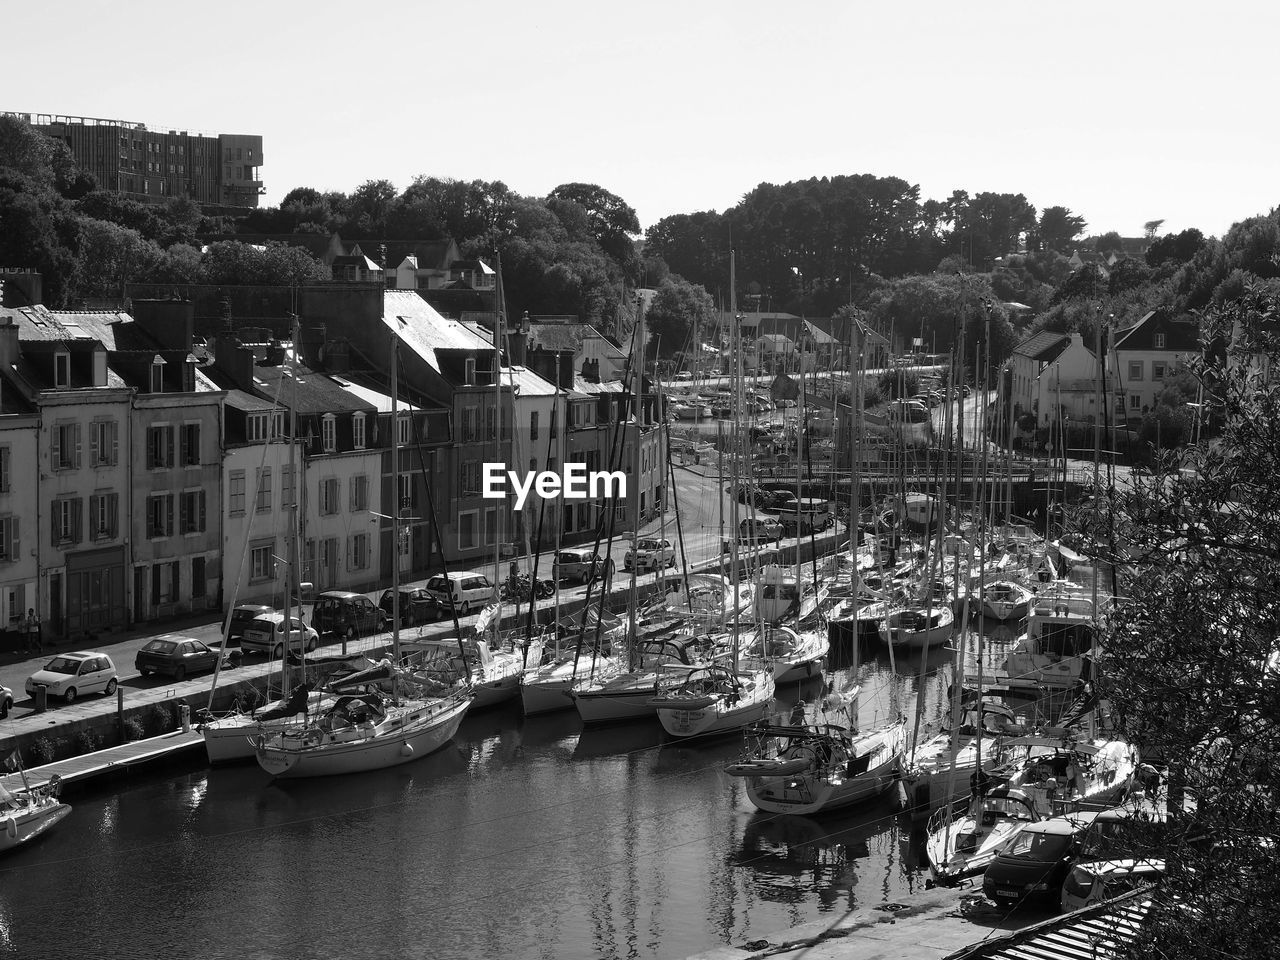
x,y
29,812
719,699
367,729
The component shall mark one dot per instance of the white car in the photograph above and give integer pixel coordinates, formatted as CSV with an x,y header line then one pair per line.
x,y
650,553
265,633
70,675
465,591
6,700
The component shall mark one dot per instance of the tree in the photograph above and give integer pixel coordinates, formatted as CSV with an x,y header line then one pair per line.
x,y
25,150
1086,282
1058,229
1150,227
110,257
232,262
612,220
675,308
1190,662
1176,247
1109,242
38,229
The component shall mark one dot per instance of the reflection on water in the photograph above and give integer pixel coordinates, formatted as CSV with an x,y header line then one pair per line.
x,y
519,839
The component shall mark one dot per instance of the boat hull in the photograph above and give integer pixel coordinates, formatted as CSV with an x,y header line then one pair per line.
x,y
712,719
615,706
422,730
773,796
916,639
29,822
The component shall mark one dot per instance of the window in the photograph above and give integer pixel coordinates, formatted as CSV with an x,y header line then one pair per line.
x,y
468,424
469,371
159,447
199,584
468,538
262,565
1159,341
491,525
620,510
191,512
103,510
103,439
402,430
359,493
66,446
190,445
263,502
551,464
62,369
277,424
329,433
1157,369
10,547
1135,369
164,583
329,496
4,469
357,431
159,515
406,491
490,423
469,478
286,487
235,493
1135,402
64,516
256,427
533,425
358,552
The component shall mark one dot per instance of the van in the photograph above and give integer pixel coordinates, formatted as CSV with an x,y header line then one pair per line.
x,y
462,592
1036,862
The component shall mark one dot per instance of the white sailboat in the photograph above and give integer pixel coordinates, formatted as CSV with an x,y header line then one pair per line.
x,y
29,812
367,730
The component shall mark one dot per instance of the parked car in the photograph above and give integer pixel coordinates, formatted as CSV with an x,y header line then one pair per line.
x,y
267,635
241,617
777,500
650,553
1035,863
757,529
462,591
416,606
1099,880
6,701
346,613
179,657
70,675
580,563
805,516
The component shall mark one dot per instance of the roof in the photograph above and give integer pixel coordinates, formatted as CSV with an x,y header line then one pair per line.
x,y
41,331
592,387
527,383
127,340
1181,336
1044,346
369,394
571,336
247,402
819,335
424,330
309,392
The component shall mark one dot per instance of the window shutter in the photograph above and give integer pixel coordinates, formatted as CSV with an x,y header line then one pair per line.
x,y
77,514
351,549
93,443
53,520
56,447
4,469
168,447
115,443
15,541
168,515
113,509
351,496
201,525
183,519
93,516
76,461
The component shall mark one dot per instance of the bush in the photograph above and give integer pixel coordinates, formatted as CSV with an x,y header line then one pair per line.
x,y
871,397
87,741
44,751
133,730
895,384
159,719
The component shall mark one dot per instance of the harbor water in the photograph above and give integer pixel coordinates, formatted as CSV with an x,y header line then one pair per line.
x,y
522,838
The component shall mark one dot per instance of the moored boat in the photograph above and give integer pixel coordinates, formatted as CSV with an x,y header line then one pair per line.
x,y
28,813
714,700
917,624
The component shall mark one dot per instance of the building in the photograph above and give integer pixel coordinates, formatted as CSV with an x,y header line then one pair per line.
x,y
588,345
1147,353
128,158
173,443
19,506
1056,373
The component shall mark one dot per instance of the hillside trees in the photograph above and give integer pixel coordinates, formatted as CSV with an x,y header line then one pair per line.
x,y
1058,229
675,309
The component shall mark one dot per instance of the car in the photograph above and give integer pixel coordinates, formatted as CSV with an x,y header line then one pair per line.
x,y
462,591
241,617
777,500
416,606
6,701
71,675
757,529
179,657
805,516
1036,862
682,375
347,614
649,553
267,635
1099,880
583,564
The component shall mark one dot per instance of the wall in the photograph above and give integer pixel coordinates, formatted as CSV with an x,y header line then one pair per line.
x,y
271,527
19,502
340,527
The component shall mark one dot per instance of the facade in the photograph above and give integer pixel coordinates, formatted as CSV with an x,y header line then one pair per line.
x,y
591,349
154,165
1057,373
19,510
1147,353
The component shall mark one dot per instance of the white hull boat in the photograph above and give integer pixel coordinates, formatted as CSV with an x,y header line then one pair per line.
x,y
231,739
550,687
29,813
715,700
914,626
1005,600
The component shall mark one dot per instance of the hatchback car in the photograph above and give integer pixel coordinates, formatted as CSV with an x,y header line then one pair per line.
x,y
70,675
1035,863
267,635
462,591
583,564
347,614
650,553
416,606
241,617
1099,880
179,657
757,529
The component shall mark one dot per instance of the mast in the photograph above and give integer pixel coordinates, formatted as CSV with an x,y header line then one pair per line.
x,y
637,374
294,584
737,471
395,511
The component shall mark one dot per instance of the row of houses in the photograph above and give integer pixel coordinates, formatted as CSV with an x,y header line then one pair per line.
x,y
147,472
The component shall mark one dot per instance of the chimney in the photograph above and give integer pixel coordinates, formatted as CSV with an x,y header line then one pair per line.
x,y
234,359
591,370
8,343
171,323
275,354
20,287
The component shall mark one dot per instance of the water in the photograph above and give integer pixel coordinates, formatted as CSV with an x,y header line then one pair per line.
x,y
523,838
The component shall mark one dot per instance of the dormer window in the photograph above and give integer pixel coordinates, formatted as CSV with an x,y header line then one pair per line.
x,y
357,431
157,374
1159,341
62,369
402,430
469,371
256,427
329,433
277,425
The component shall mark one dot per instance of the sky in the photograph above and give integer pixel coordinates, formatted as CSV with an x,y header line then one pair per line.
x,y
1124,112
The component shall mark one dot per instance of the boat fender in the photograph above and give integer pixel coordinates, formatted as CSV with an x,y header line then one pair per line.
x,y
11,826
406,750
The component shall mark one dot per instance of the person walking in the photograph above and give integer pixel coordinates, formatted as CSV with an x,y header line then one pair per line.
x,y
35,636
